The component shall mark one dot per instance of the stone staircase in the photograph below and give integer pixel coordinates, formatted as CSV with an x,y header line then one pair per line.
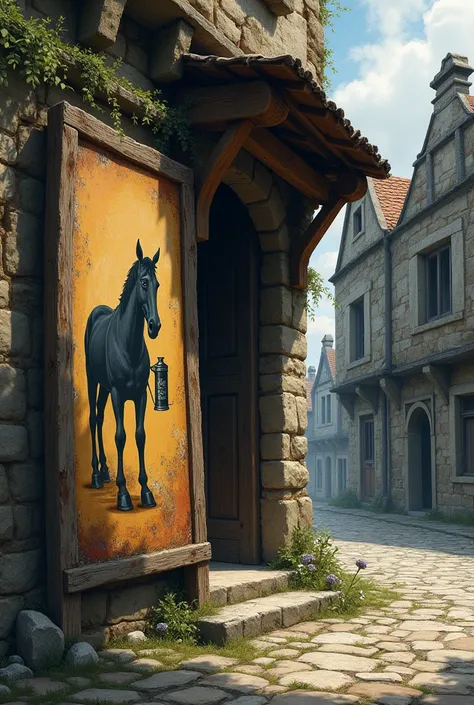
x,y
252,600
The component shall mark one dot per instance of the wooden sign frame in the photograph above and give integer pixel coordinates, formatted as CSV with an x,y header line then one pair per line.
x,y
66,579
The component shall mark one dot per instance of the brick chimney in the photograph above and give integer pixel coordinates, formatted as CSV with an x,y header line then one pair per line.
x,y
451,79
312,372
328,341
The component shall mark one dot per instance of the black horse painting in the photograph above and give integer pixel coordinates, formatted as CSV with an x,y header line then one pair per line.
x,y
117,362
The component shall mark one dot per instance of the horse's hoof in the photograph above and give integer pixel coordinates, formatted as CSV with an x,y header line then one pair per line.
x,y
97,483
124,503
147,499
104,474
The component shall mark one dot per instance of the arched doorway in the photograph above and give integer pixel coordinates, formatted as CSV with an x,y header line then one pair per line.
x,y
419,460
328,484
228,341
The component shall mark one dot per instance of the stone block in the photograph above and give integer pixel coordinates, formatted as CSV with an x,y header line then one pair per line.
x,y
284,474
4,291
93,608
23,251
137,57
130,604
121,629
277,364
9,115
282,383
302,413
31,196
35,388
40,642
9,608
278,241
23,521
12,393
276,306
97,637
35,433
13,443
279,519
283,340
299,318
258,189
299,447
275,446
278,413
227,26
234,10
26,482
118,48
6,523
8,151
27,297
275,269
3,485
205,7
7,183
305,509
14,333
32,152
268,215
20,572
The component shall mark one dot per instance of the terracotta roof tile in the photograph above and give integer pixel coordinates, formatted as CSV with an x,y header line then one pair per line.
x,y
332,361
309,388
391,194
470,100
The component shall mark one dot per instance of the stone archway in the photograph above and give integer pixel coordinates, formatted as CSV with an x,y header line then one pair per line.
x,y
328,478
419,458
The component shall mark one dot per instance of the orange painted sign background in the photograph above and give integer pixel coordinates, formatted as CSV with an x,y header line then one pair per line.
x,y
116,204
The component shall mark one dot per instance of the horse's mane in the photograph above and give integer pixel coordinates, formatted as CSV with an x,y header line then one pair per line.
x,y
147,266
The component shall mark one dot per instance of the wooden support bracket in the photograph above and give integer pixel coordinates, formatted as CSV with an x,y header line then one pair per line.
x,y
99,22
440,378
369,395
348,402
218,163
391,389
169,45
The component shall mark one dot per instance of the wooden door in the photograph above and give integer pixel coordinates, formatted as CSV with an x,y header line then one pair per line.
x,y
228,311
367,457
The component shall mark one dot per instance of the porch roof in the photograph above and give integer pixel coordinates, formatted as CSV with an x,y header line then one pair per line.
x,y
314,127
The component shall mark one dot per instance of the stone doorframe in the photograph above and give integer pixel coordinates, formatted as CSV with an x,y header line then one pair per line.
x,y
410,408
282,354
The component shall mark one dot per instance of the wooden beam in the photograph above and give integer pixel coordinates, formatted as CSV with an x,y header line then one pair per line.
x,y
439,376
369,395
303,245
348,402
96,574
99,22
211,105
391,389
218,163
169,45
287,164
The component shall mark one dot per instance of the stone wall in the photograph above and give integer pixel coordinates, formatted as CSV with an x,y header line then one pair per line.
x,y
253,27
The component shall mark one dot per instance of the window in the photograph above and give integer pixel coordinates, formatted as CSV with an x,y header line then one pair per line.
x,y
323,410
438,283
467,434
319,475
357,324
357,221
326,410
342,474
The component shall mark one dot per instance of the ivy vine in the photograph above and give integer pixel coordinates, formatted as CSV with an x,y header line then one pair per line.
x,y
329,10
35,47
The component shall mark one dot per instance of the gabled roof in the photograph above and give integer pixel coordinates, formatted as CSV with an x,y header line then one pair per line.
x,y
391,194
309,389
331,353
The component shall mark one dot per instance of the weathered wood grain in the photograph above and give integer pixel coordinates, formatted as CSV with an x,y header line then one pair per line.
x,y
85,577
61,524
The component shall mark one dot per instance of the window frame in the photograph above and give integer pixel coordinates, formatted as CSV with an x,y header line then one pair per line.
x,y
360,214
359,291
319,474
341,470
429,257
456,394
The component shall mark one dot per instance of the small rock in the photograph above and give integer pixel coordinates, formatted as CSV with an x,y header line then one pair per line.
x,y
16,672
81,654
16,659
284,653
380,677
236,681
197,696
208,663
120,655
39,641
4,691
136,637
146,665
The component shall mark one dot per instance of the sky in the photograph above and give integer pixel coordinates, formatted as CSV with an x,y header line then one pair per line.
x,y
386,53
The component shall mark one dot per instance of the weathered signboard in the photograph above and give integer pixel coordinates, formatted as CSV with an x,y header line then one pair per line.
x,y
123,439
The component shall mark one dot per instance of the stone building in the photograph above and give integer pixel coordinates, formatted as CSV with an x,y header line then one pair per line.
x,y
180,45
327,437
404,329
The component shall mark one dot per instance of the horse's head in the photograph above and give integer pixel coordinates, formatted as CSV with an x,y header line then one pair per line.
x,y
147,286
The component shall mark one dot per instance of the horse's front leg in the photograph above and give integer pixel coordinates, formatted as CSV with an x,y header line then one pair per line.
x,y
96,481
123,498
147,498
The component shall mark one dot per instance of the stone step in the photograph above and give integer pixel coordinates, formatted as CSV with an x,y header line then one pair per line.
x,y
263,614
232,583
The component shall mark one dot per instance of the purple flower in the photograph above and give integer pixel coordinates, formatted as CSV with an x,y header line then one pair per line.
x,y
307,558
331,579
162,627
311,567
361,564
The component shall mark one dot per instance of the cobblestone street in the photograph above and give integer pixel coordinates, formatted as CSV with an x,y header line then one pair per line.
x,y
419,648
